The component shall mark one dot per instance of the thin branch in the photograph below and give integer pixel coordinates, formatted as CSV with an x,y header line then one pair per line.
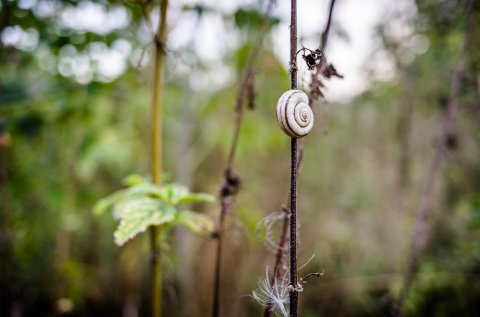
x,y
232,182
327,26
279,256
293,289
303,280
419,233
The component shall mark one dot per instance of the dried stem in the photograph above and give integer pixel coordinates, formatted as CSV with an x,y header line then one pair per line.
x,y
304,279
231,184
327,26
419,233
293,229
156,138
293,171
279,256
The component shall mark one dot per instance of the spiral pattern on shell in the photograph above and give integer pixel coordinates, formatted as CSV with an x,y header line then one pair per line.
x,y
294,115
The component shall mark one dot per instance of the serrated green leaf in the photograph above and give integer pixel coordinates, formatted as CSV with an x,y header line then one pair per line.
x,y
195,222
196,198
138,214
136,191
144,204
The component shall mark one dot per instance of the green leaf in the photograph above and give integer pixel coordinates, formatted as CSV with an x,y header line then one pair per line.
x,y
136,191
143,190
134,179
169,194
195,222
144,204
138,214
107,202
197,198
175,194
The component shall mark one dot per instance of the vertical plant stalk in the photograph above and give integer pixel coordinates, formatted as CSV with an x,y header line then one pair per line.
x,y
419,234
293,229
403,135
279,255
293,170
231,184
156,161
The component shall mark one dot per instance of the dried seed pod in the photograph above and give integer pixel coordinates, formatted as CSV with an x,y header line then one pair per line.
x,y
294,115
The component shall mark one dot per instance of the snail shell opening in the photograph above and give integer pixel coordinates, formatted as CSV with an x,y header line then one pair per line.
x,y
294,115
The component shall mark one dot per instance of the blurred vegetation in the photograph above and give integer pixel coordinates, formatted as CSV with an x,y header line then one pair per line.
x,y
72,128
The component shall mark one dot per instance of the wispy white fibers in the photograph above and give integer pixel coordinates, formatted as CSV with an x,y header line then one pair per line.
x,y
275,296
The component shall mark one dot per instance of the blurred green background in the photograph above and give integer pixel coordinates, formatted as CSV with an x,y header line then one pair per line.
x,y
75,89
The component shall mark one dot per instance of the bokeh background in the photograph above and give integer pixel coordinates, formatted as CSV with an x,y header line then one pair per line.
x,y
75,89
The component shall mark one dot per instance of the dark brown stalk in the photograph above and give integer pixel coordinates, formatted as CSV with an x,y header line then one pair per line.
x,y
293,170
327,26
231,184
279,255
419,233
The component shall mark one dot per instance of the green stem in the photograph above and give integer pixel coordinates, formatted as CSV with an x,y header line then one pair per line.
x,y
155,232
156,280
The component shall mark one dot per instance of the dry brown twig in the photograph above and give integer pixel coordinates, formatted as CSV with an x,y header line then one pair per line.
x,y
232,183
444,141
322,69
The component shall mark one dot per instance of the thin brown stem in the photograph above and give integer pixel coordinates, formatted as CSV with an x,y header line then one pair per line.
x,y
242,91
293,171
419,234
156,139
279,255
293,230
216,285
327,26
231,184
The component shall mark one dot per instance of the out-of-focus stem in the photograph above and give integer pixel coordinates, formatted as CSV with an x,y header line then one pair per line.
x,y
156,138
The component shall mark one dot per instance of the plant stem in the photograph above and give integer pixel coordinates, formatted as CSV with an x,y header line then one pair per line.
x,y
293,44
231,184
419,234
293,230
156,268
327,26
156,138
218,258
293,170
279,256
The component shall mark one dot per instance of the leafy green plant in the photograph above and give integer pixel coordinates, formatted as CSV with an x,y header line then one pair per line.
x,y
143,204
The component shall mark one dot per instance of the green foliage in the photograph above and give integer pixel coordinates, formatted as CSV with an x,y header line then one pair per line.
x,y
195,222
137,214
143,204
252,19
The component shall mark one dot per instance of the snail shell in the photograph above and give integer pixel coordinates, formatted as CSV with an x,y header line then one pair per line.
x,y
294,115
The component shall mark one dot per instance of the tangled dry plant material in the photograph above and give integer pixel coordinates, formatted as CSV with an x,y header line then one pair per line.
x,y
274,295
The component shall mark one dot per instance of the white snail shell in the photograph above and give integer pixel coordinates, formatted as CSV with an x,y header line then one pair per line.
x,y
294,115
